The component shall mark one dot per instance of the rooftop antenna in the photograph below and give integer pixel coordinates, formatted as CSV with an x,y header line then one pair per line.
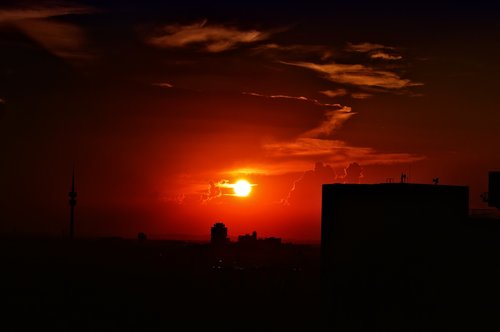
x,y
404,178
72,203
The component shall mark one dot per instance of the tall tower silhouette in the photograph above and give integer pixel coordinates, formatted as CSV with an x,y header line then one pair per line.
x,y
72,203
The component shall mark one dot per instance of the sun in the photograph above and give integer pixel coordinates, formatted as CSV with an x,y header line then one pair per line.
x,y
242,188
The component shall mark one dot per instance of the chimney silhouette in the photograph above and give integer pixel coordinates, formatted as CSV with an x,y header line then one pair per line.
x,y
72,203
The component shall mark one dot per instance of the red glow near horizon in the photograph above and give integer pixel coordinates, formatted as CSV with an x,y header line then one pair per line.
x,y
163,114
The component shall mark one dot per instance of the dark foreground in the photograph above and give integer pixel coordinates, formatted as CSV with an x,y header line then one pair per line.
x,y
118,285
128,285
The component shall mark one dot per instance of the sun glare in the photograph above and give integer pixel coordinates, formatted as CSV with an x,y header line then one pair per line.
x,y
242,188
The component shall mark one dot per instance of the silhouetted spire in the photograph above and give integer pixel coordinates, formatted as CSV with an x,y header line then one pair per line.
x,y
72,203
73,181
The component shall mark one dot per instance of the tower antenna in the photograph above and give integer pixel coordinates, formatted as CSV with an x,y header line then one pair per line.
x,y
72,203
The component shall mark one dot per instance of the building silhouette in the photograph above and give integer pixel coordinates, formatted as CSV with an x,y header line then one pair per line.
x,y
218,234
388,253
494,189
252,241
248,238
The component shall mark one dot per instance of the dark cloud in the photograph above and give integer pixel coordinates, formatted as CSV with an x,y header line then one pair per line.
x,y
63,39
352,173
307,189
40,12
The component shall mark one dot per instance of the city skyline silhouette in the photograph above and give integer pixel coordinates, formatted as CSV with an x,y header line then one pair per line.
x,y
164,107
249,166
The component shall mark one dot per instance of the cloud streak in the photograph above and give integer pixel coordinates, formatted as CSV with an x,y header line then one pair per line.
x,y
218,189
375,51
334,93
211,38
298,50
317,144
302,98
19,14
357,75
361,95
366,47
163,85
335,118
334,152
385,56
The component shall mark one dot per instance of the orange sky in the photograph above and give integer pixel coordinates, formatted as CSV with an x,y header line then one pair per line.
x,y
157,105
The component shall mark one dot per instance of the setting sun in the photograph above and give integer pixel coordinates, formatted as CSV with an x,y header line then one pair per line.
x,y
242,188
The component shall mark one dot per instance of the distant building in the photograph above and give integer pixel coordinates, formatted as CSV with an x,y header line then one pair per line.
x,y
219,234
141,237
248,238
251,240
386,252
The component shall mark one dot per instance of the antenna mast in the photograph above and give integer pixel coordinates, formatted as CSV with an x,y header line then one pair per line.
x,y
72,203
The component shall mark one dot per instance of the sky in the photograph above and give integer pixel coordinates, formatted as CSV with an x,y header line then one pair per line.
x,y
161,107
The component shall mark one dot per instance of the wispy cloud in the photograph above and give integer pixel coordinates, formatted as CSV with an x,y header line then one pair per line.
x,y
211,38
357,74
334,93
163,85
300,50
366,47
303,147
335,118
298,155
385,56
40,12
375,51
218,189
302,98
361,95
334,152
317,144
344,92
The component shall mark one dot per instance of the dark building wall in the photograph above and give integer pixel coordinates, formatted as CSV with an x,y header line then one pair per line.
x,y
386,251
355,217
494,189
